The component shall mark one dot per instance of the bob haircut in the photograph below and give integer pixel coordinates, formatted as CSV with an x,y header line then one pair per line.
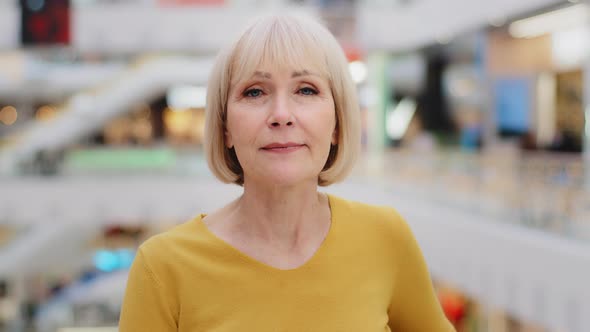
x,y
291,42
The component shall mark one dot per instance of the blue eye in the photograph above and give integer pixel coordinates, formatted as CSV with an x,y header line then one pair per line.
x,y
308,91
252,93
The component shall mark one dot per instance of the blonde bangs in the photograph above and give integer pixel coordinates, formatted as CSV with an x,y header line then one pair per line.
x,y
280,44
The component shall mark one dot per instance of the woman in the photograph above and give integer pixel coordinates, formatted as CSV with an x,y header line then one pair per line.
x,y
282,118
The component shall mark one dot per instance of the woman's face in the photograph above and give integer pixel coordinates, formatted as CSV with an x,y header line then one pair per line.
x,y
281,124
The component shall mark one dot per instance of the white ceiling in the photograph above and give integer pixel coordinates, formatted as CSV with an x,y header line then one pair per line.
x,y
424,21
394,27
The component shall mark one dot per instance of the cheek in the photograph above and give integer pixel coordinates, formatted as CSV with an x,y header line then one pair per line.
x,y
325,123
242,126
319,127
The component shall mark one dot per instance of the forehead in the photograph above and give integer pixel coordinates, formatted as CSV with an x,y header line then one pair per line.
x,y
270,73
267,70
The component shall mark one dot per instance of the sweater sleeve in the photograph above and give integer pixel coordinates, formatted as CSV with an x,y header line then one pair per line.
x,y
146,306
414,304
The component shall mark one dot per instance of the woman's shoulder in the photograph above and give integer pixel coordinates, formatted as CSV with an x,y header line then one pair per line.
x,y
175,233
382,217
170,243
357,209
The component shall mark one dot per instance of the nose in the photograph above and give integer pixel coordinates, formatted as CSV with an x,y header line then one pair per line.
x,y
281,114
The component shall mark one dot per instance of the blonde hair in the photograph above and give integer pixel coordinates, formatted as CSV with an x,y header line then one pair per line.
x,y
296,42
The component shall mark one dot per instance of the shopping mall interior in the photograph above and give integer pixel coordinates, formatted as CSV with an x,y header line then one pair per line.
x,y
473,128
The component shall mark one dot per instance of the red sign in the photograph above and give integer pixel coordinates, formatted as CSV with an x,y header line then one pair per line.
x,y
45,23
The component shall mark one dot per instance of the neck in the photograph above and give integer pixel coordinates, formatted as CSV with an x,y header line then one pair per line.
x,y
285,217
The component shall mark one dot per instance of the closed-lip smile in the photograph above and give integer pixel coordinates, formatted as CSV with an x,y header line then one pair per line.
x,y
282,147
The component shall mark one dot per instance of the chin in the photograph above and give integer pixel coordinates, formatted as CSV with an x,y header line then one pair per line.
x,y
286,178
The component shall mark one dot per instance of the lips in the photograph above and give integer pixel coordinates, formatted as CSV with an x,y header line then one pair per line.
x,y
282,146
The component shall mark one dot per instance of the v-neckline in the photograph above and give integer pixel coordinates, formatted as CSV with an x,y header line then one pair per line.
x,y
324,246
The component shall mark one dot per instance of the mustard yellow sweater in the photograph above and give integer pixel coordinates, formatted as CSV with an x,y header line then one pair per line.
x,y
368,275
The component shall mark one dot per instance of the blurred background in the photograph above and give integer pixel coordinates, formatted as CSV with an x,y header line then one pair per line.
x,y
473,116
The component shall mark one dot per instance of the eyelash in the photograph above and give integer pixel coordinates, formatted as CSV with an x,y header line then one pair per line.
x,y
248,92
313,91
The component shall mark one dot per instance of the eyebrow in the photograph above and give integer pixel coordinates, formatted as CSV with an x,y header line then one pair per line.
x,y
262,74
300,73
269,76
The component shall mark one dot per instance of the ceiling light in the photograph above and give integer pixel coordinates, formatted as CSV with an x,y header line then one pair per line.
x,y
8,115
358,71
560,19
186,96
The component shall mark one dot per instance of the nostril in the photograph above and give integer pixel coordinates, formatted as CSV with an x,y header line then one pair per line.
x,y
275,124
289,123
